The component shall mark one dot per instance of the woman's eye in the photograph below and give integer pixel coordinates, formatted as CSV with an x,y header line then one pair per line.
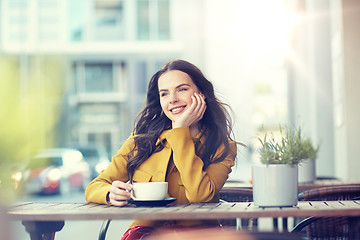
x,y
182,89
163,94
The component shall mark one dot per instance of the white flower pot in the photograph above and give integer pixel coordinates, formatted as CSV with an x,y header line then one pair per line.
x,y
307,171
275,185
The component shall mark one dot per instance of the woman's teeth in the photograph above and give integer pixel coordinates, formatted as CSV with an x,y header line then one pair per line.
x,y
177,110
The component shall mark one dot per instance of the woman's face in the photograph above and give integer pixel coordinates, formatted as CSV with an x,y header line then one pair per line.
x,y
175,91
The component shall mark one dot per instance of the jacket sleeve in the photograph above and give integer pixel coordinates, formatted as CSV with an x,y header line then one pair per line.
x,y
200,185
98,188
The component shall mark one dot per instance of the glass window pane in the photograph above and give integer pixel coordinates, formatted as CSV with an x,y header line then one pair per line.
x,y
164,19
18,4
101,138
47,4
143,20
98,77
109,23
76,19
141,77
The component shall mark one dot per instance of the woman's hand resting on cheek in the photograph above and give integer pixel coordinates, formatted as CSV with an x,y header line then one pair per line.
x,y
119,193
193,114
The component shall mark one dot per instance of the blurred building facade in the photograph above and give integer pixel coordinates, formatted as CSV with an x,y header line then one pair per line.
x,y
110,50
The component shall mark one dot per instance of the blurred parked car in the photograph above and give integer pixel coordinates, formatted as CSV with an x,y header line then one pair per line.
x,y
57,170
11,177
17,177
96,156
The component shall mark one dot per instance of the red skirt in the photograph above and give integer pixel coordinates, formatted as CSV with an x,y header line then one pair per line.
x,y
138,232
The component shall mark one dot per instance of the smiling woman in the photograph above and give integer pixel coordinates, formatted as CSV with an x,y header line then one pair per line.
x,y
182,137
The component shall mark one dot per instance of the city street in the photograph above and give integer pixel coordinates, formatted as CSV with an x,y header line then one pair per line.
x,y
72,229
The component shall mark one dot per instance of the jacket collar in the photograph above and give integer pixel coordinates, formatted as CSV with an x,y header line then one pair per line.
x,y
195,139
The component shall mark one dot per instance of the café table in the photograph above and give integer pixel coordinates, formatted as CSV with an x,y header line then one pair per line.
x,y
301,186
42,220
319,183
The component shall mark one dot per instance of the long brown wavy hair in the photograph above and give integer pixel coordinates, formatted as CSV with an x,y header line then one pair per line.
x,y
216,125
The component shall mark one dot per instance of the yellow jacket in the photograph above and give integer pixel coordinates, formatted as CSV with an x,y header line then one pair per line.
x,y
187,181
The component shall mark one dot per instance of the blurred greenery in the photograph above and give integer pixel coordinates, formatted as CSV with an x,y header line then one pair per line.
x,y
30,95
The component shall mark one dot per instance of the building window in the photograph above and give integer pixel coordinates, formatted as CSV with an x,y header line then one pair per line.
x,y
164,20
18,4
45,4
93,77
76,14
143,13
141,77
98,77
153,20
108,20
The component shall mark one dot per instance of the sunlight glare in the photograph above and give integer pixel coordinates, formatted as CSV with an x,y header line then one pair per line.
x,y
267,26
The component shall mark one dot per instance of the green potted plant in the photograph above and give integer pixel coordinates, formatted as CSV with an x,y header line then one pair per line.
x,y
307,168
275,179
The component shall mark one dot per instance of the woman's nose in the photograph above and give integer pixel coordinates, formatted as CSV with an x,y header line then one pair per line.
x,y
173,99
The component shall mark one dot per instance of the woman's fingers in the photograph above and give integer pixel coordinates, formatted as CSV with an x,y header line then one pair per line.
x,y
203,106
119,193
200,106
117,200
122,185
194,113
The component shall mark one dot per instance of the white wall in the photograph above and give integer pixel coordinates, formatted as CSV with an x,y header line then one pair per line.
x,y
312,106
324,85
188,29
348,132
228,63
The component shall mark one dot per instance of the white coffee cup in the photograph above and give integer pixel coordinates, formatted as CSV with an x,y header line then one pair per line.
x,y
149,191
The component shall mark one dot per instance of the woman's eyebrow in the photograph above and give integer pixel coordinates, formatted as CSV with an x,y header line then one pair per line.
x,y
178,86
163,90
184,84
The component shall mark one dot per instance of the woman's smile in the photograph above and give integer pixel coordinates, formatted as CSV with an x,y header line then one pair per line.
x,y
177,110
